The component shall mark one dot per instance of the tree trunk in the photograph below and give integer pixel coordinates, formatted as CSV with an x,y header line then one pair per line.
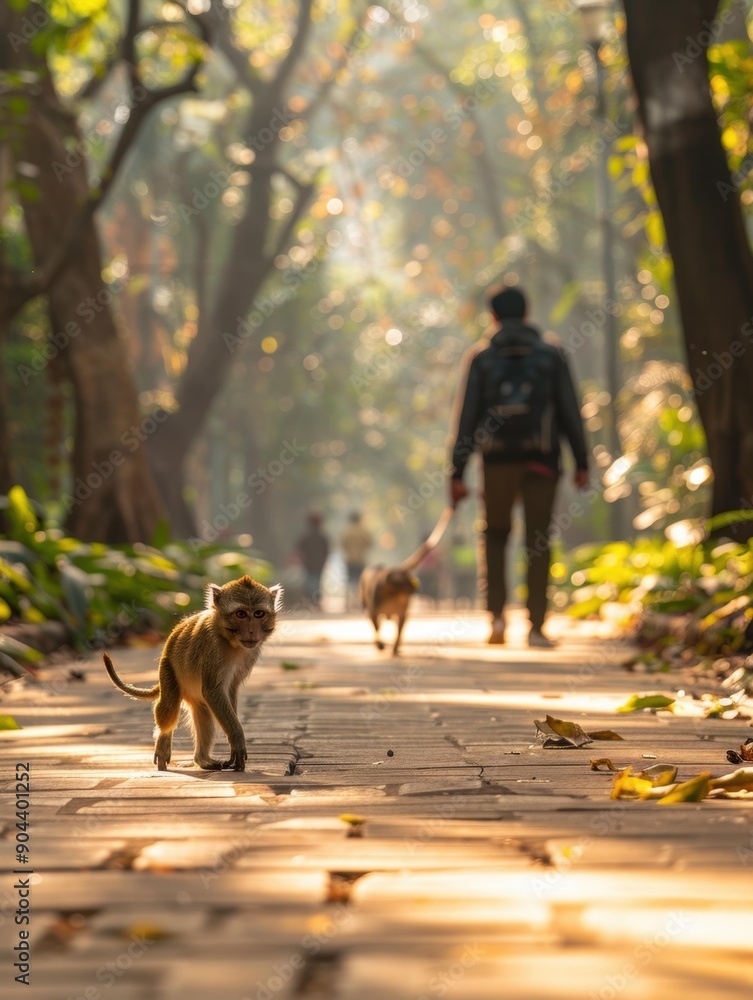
x,y
667,46
223,332
113,497
6,467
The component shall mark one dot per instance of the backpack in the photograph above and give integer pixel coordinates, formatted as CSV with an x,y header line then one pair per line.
x,y
518,400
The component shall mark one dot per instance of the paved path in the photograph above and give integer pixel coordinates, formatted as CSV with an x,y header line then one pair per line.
x,y
486,867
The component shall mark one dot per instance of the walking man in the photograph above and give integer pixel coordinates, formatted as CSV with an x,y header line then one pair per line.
x,y
519,401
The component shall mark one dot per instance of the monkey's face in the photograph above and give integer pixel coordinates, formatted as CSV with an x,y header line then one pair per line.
x,y
246,611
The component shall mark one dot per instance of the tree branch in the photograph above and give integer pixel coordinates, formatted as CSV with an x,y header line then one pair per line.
x,y
305,191
22,291
323,93
214,25
303,29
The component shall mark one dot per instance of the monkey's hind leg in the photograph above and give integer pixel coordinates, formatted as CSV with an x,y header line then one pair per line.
x,y
166,715
203,736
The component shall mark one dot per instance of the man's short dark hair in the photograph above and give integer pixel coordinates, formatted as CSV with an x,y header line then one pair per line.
x,y
508,303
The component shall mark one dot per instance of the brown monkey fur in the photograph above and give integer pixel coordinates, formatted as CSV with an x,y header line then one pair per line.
x,y
205,660
386,590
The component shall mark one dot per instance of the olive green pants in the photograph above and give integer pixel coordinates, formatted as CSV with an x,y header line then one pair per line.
x,y
503,485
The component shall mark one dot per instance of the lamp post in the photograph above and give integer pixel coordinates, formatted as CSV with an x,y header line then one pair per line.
x,y
596,20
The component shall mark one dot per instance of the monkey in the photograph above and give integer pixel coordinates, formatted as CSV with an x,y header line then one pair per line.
x,y
386,591
206,658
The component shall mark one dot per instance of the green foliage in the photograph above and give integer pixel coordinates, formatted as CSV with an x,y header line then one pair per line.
x,y
702,583
99,592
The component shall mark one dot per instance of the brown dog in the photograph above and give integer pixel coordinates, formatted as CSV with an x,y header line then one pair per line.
x,y
386,591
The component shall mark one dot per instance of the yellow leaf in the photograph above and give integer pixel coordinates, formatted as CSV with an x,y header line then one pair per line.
x,y
637,702
352,820
655,229
629,786
659,774
730,138
689,791
567,730
616,167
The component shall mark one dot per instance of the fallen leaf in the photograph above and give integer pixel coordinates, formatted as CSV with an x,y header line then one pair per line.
x,y
746,753
659,774
287,665
352,820
8,722
740,780
147,932
637,702
565,733
689,791
629,786
605,734
596,765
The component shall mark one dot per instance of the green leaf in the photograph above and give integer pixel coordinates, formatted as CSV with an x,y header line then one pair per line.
x,y
287,665
161,536
19,650
77,590
727,519
28,190
639,701
8,722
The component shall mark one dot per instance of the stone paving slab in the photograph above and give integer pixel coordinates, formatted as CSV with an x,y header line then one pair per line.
x,y
252,886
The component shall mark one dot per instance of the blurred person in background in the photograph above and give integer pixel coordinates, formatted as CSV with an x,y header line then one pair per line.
x,y
355,542
312,549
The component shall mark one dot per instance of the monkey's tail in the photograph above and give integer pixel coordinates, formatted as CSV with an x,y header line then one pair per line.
x,y
434,538
148,694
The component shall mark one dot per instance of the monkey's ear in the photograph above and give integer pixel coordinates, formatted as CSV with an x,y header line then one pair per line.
x,y
279,593
211,595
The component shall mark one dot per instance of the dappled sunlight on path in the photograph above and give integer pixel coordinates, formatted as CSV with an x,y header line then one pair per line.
x,y
398,832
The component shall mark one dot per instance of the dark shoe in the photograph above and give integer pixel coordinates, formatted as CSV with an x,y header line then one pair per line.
x,y
538,640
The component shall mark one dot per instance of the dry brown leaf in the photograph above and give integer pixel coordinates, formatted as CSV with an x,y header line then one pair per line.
x,y
604,762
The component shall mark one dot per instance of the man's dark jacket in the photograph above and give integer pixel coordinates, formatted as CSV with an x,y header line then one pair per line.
x,y
566,421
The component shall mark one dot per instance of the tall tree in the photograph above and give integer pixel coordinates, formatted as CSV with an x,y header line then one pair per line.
x,y
699,199
255,241
113,497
